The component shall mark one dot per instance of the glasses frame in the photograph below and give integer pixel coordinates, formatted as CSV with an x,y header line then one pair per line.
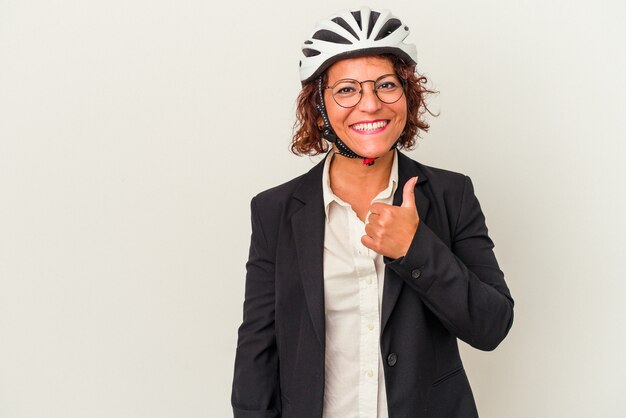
x,y
360,83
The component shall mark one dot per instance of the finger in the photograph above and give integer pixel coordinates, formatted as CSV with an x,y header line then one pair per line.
x,y
372,218
408,193
372,231
369,242
377,208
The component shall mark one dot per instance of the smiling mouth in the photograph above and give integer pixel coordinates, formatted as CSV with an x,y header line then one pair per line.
x,y
367,127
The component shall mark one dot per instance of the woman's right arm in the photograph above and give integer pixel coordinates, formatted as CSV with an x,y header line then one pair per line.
x,y
256,390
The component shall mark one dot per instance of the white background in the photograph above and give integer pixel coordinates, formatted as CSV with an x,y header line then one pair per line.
x,y
133,134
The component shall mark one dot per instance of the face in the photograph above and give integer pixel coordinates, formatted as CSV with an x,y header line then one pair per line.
x,y
371,127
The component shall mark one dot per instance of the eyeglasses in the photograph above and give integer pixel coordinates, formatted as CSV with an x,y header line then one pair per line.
x,y
348,92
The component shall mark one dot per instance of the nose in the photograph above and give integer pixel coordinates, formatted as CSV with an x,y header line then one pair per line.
x,y
369,102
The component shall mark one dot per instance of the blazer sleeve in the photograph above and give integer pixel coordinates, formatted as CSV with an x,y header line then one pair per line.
x,y
255,390
461,284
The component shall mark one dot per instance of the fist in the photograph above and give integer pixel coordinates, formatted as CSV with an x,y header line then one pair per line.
x,y
389,229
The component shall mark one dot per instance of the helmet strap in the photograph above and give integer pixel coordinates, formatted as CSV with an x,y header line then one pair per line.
x,y
329,134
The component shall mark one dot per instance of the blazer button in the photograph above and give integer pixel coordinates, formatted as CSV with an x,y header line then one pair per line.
x,y
392,359
416,273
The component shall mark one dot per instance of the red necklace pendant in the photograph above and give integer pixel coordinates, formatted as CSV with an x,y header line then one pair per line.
x,y
369,161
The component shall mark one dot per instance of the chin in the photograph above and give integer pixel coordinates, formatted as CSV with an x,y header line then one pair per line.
x,y
372,151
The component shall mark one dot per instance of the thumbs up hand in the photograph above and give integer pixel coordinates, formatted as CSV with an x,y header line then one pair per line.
x,y
389,229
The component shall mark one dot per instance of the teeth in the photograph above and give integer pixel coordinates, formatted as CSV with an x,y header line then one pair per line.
x,y
369,126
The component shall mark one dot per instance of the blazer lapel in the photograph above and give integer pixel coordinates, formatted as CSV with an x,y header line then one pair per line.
x,y
407,168
308,228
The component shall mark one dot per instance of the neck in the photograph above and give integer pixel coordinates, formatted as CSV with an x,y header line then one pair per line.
x,y
352,171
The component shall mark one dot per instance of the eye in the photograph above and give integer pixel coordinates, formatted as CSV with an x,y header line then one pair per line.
x,y
387,85
345,89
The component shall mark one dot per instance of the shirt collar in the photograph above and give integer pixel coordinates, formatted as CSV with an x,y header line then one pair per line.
x,y
385,195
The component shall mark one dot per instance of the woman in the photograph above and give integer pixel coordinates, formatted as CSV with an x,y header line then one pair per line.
x,y
364,271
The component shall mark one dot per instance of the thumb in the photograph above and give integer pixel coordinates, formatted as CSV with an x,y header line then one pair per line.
x,y
408,193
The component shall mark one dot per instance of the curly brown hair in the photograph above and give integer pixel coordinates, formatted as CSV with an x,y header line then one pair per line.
x,y
307,139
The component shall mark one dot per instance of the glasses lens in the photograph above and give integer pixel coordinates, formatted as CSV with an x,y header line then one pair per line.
x,y
389,88
347,93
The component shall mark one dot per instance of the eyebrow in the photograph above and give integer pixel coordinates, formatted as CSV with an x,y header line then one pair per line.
x,y
328,83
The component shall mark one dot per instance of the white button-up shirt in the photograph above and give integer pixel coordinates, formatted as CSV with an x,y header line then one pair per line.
x,y
353,290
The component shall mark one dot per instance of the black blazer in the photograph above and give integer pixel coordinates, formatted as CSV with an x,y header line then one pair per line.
x,y
447,286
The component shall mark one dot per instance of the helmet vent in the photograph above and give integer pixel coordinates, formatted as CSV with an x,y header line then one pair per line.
x,y
373,18
308,52
328,36
388,28
308,42
344,24
357,17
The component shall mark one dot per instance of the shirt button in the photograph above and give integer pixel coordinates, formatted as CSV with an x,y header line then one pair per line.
x,y
370,373
392,359
368,280
416,273
370,327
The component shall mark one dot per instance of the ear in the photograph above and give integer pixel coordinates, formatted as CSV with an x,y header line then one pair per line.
x,y
320,123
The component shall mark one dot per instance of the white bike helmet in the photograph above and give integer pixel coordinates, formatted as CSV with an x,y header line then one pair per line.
x,y
354,33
